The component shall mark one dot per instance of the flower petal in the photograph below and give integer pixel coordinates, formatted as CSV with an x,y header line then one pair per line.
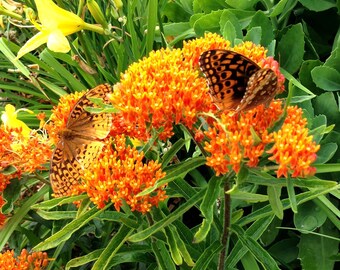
x,y
51,17
57,42
33,43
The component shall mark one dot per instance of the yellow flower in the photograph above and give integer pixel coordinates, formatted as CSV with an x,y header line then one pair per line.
x,y
10,121
55,24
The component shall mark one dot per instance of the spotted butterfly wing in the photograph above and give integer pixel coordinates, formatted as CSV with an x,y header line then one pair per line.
x,y
80,142
236,82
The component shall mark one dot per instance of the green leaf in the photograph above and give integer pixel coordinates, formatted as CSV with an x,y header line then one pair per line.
x,y
13,222
181,246
261,255
326,78
291,194
237,4
300,198
207,256
66,232
267,32
209,22
274,194
230,26
255,231
57,215
315,251
294,40
207,208
318,5
326,152
49,204
254,35
174,172
162,256
142,235
173,248
103,262
309,217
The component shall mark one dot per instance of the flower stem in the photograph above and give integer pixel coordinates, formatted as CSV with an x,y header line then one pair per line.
x,y
226,226
95,28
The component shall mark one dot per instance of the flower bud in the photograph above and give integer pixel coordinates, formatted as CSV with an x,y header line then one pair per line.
x,y
97,13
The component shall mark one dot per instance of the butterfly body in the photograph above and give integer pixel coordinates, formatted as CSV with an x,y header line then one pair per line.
x,y
236,82
80,142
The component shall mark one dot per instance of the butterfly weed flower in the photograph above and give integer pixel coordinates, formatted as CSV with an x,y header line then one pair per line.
x,y
158,91
17,141
119,175
232,141
294,150
24,261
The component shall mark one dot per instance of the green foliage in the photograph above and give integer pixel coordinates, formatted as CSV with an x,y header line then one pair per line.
x,y
275,223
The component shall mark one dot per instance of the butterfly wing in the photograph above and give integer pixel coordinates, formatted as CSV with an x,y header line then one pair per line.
x,y
227,73
83,123
64,170
80,143
261,89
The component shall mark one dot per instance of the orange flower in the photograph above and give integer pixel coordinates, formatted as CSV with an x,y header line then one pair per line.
x,y
233,141
119,175
159,91
25,261
293,149
240,138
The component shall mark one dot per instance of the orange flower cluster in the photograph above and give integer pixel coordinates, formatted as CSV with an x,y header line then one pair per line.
x,y
119,175
235,140
159,91
25,261
293,149
238,138
25,153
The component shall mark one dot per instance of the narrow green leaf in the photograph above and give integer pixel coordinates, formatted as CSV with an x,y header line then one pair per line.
x,y
274,194
207,208
254,231
142,235
112,248
162,256
291,194
65,234
174,172
256,249
13,222
173,248
207,256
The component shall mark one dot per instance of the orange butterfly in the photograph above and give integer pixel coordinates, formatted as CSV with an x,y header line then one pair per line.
x,y
80,142
236,82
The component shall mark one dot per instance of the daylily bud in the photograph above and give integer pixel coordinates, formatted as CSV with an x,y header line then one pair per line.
x,y
97,13
118,4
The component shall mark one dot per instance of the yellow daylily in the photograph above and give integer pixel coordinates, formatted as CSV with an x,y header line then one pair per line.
x,y
55,24
10,121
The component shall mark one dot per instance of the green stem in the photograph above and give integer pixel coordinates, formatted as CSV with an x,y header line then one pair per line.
x,y
226,226
95,28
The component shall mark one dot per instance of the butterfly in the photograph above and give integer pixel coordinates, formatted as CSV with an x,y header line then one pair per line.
x,y
80,143
236,82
